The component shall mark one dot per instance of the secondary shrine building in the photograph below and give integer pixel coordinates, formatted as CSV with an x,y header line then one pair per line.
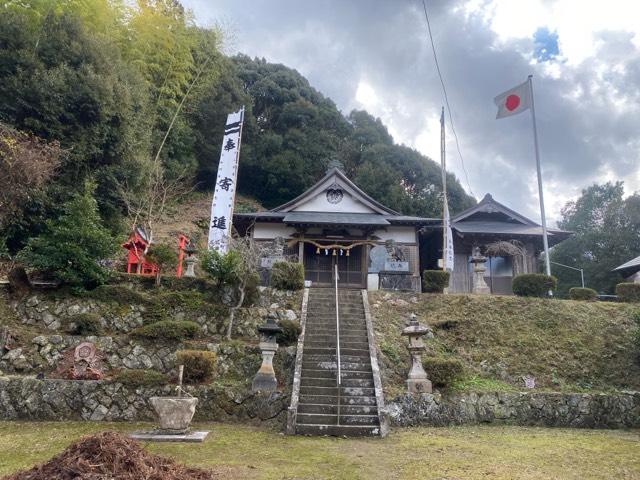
x,y
334,225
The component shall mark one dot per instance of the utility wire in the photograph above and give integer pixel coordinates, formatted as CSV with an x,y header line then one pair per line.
x,y
446,98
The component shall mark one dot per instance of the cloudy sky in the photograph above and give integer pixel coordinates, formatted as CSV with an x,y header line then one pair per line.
x,y
375,55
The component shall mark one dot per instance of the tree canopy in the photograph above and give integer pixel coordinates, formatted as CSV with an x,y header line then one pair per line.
x,y
606,230
111,82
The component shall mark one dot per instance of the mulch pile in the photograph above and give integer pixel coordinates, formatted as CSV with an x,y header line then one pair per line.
x,y
110,456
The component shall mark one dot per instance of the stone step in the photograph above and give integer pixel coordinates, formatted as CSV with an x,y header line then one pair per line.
x,y
333,391
315,343
347,332
311,373
327,309
332,320
331,365
344,352
333,409
331,382
318,338
330,419
333,400
338,430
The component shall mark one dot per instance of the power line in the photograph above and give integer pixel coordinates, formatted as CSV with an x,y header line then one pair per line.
x,y
446,97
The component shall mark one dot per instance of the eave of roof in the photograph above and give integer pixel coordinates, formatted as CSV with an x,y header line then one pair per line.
x,y
631,266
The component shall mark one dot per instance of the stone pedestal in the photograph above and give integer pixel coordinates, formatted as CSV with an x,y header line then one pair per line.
x,y
479,286
417,380
265,380
174,413
190,261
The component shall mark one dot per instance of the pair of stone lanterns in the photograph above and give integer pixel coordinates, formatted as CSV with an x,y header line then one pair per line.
x,y
417,380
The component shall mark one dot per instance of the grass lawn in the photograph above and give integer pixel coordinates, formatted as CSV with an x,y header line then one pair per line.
x,y
240,451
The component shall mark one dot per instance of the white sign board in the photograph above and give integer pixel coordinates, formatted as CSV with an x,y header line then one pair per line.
x,y
225,191
394,266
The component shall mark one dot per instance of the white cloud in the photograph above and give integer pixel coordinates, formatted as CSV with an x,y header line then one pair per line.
x,y
377,57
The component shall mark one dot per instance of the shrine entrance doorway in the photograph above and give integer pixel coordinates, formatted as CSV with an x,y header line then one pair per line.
x,y
319,266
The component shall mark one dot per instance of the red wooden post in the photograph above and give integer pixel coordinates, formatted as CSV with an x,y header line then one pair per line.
x,y
182,241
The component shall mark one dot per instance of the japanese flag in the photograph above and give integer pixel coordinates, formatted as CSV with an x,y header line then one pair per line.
x,y
513,101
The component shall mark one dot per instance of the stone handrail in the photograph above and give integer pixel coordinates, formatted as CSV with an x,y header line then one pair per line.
x,y
292,412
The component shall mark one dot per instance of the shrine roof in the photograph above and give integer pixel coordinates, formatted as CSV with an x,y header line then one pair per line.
x,y
629,268
335,218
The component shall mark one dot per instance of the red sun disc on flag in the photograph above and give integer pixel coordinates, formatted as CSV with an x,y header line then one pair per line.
x,y
512,102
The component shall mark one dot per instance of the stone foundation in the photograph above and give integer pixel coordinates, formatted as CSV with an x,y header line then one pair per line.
x,y
578,410
26,398
23,398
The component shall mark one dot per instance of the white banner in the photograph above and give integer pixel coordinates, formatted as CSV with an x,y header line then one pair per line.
x,y
225,192
448,247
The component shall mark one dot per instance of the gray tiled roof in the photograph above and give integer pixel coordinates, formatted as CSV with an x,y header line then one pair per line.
x,y
323,218
631,265
500,227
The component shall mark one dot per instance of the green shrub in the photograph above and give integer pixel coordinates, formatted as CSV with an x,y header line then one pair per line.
x,y
628,292
84,324
435,281
140,378
290,332
443,372
287,276
533,284
168,330
578,293
119,294
198,365
72,245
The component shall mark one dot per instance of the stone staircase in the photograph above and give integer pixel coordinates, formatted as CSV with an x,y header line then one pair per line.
x,y
323,408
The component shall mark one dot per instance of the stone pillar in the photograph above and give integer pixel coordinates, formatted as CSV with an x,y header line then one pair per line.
x,y
191,262
417,380
265,379
479,286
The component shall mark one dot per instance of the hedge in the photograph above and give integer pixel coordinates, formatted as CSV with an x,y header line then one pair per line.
x,y
443,371
287,276
578,293
435,281
533,284
198,365
628,292
169,330
140,378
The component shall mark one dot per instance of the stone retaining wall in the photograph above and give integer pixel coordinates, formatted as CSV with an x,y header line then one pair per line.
x,y
49,313
550,409
28,398
23,398
233,359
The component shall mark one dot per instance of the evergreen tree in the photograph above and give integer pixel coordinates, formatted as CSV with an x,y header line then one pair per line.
x,y
74,246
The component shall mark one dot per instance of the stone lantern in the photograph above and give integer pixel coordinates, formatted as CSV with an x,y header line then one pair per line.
x,y
265,379
479,286
191,260
417,380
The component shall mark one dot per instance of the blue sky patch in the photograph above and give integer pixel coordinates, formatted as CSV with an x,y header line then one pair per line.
x,y
545,44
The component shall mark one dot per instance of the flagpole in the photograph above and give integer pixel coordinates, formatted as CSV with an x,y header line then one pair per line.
x,y
445,207
545,241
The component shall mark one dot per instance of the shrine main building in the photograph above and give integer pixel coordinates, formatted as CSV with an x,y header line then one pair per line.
x,y
334,223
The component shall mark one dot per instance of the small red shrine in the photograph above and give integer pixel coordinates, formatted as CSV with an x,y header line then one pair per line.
x,y
136,244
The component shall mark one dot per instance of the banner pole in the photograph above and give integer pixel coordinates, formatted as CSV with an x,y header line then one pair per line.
x,y
443,166
545,241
